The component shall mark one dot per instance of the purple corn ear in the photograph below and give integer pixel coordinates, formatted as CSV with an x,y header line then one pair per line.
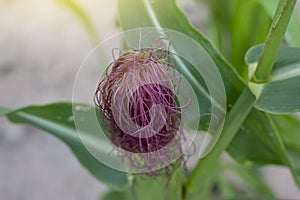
x,y
140,107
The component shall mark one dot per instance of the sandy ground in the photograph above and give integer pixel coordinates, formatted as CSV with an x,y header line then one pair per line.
x,y
41,48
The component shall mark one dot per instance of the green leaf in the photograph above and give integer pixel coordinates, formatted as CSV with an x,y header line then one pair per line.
x,y
280,97
292,152
152,13
255,143
288,127
57,119
262,143
281,94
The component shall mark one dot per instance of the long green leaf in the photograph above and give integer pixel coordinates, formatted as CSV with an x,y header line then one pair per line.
x,y
57,119
289,129
153,14
256,143
281,94
265,143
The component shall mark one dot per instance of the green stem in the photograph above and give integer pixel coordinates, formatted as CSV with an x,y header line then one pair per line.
x,y
273,42
233,122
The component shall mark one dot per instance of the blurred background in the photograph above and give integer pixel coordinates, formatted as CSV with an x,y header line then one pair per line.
x,y
42,44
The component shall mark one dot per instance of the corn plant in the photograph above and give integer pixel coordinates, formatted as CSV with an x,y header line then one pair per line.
x,y
254,47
